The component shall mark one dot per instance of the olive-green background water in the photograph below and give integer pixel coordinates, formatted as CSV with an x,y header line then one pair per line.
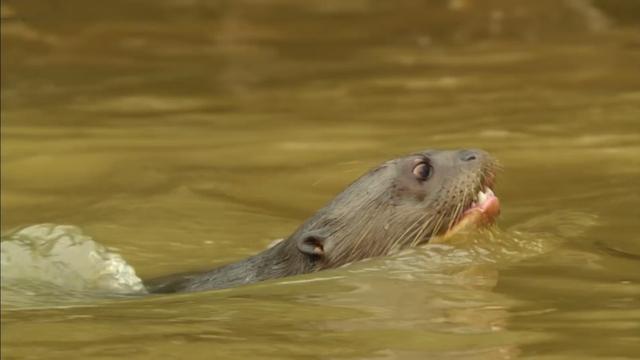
x,y
189,133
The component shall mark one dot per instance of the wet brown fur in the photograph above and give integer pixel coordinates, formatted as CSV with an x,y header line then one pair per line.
x,y
384,211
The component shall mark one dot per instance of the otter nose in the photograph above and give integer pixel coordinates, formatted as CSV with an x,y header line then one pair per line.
x,y
469,155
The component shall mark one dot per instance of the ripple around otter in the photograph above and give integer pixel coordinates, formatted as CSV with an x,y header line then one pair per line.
x,y
48,265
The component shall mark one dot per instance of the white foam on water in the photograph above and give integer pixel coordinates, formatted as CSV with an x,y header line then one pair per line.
x,y
43,260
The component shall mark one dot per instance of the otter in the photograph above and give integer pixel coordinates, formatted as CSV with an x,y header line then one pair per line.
x,y
401,203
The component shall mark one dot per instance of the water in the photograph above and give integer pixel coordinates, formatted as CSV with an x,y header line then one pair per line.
x,y
182,135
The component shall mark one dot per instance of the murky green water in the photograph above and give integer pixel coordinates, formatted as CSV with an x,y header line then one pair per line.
x,y
187,134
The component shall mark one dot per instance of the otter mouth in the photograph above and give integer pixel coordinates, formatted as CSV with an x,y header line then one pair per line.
x,y
483,210
486,205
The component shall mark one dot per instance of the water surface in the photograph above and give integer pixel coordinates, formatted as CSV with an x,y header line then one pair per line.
x,y
188,134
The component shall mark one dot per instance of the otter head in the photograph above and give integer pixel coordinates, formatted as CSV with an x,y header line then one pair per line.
x,y
402,203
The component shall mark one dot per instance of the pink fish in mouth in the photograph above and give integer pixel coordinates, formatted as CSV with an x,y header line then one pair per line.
x,y
483,211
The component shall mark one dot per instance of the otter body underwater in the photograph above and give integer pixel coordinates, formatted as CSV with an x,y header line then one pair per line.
x,y
401,203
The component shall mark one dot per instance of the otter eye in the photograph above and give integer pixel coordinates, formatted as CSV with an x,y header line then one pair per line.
x,y
422,171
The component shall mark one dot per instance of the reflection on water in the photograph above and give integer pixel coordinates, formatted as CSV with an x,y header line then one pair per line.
x,y
373,299
188,134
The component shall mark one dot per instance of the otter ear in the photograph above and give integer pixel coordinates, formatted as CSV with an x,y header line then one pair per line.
x,y
312,243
